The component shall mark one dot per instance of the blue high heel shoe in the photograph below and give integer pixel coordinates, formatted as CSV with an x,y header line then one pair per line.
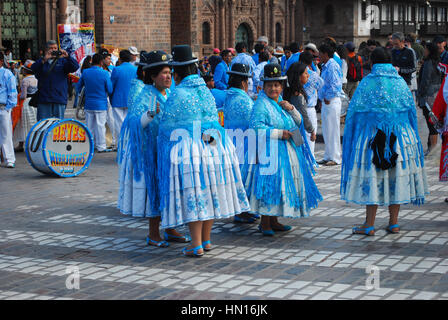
x,y
183,239
391,227
160,244
363,230
267,233
238,219
283,228
192,252
206,243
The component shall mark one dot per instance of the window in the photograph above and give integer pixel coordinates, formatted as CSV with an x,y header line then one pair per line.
x,y
389,13
434,14
444,14
278,33
329,14
401,13
206,33
421,14
363,11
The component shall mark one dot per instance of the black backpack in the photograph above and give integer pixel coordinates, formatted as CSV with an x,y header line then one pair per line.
x,y
354,73
378,146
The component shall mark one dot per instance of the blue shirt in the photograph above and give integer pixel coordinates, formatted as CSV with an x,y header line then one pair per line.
x,y
220,97
98,85
255,57
332,76
258,73
337,59
122,77
292,59
283,64
314,84
221,77
8,90
246,59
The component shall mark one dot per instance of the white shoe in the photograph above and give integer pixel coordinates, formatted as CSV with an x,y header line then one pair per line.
x,y
10,165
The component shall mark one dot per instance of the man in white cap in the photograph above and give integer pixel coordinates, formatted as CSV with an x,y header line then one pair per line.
x,y
263,40
134,52
311,47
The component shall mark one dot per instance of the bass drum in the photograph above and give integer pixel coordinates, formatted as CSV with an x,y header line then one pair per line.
x,y
62,148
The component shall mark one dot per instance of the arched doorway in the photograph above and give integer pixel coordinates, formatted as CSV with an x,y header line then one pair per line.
x,y
244,34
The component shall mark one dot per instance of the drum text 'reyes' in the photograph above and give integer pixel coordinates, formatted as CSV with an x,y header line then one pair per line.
x,y
68,132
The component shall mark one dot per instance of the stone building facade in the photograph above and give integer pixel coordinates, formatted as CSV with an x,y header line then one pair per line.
x,y
360,20
208,24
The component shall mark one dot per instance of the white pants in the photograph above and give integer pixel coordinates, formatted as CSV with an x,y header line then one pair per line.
x,y
118,115
110,122
96,122
331,130
313,118
6,144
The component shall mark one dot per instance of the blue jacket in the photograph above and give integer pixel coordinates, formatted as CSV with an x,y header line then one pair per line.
x,y
255,57
53,88
220,97
121,81
221,77
98,86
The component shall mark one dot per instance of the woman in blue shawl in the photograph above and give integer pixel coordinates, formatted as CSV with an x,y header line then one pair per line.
x,y
137,154
199,175
237,110
280,183
383,160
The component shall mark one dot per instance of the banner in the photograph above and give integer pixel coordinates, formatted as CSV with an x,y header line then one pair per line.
x,y
77,39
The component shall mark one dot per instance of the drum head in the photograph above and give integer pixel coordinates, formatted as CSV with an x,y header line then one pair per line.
x,y
68,148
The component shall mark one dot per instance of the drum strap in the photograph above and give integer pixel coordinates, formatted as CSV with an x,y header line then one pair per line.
x,y
35,146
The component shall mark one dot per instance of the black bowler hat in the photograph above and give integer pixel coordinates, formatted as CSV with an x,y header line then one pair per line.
x,y
153,59
240,69
273,72
182,56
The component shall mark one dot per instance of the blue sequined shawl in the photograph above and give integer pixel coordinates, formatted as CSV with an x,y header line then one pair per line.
x,y
237,109
192,108
381,101
266,116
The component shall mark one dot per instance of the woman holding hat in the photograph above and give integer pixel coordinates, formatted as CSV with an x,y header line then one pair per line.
x,y
237,110
138,195
199,175
281,182
28,117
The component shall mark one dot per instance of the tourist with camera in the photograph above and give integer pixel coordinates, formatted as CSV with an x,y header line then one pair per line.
x,y
52,72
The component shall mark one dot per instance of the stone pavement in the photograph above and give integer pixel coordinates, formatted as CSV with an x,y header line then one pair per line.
x,y
51,226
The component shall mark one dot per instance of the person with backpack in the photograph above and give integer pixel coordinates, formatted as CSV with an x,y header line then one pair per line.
x,y
355,71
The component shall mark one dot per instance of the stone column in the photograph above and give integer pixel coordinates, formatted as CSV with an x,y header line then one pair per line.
x,y
300,18
292,10
231,26
62,17
272,23
222,24
90,11
264,18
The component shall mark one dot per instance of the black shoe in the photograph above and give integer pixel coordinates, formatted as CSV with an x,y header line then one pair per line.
x,y
323,161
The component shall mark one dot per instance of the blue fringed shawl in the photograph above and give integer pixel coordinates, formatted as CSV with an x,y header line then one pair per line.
x,y
381,101
141,142
266,116
191,110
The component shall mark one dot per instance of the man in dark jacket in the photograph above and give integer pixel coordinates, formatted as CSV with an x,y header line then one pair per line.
x,y
403,58
52,73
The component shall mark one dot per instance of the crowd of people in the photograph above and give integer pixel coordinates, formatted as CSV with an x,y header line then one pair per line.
x,y
180,163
